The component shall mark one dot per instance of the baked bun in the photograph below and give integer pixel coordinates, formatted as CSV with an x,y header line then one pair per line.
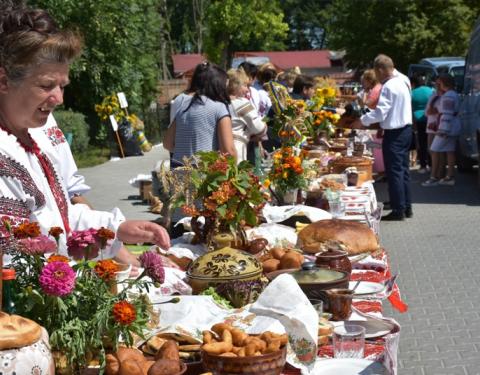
x,y
17,331
356,237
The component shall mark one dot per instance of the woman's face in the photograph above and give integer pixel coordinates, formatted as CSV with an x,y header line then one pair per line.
x,y
242,91
439,86
28,103
366,84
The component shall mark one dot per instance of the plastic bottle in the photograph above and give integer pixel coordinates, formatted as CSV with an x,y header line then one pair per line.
x,y
8,290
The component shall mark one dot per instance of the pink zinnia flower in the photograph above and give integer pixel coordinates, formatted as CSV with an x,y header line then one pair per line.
x,y
37,246
152,262
83,244
57,279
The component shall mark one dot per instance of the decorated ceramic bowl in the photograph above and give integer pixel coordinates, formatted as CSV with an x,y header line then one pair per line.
x,y
223,265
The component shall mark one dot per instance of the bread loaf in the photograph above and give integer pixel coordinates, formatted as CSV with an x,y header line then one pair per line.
x,y
356,237
17,331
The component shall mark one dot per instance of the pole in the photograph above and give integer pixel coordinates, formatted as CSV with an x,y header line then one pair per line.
x,y
120,144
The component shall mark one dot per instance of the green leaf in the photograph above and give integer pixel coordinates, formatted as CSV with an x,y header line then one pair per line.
x,y
250,216
222,210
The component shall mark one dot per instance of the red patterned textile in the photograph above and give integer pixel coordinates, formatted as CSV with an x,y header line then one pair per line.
x,y
380,277
49,172
12,169
55,135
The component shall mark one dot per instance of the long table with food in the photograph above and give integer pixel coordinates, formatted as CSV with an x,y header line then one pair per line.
x,y
293,258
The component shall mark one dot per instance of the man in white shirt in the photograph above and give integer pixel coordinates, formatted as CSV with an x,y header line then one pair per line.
x,y
394,113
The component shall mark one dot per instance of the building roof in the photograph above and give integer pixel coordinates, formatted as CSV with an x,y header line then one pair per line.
x,y
290,59
182,63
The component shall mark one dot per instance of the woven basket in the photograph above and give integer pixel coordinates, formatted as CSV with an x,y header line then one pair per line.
x,y
267,364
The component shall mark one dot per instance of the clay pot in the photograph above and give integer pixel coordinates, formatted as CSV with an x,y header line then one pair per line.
x,y
334,260
339,303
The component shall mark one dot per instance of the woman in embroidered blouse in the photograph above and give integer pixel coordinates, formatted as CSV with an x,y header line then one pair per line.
x,y
34,64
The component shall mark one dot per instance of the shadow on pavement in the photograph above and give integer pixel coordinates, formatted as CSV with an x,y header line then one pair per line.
x,y
465,192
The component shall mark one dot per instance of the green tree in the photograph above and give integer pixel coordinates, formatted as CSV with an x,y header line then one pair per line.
x,y
304,18
406,30
121,51
245,25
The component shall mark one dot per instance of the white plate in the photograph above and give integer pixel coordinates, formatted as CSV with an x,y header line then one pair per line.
x,y
373,327
366,288
349,367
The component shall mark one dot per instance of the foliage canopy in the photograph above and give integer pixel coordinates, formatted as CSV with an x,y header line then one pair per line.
x,y
121,50
406,30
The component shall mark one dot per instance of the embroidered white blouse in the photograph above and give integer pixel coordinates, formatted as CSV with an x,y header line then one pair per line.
x,y
26,195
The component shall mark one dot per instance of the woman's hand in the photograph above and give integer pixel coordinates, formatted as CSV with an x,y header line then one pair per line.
x,y
140,231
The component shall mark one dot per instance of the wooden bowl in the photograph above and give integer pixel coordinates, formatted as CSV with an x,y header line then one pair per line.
x,y
267,364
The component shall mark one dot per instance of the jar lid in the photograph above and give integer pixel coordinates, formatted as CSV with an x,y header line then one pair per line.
x,y
8,274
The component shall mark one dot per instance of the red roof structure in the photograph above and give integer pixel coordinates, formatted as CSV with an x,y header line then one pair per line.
x,y
183,63
290,59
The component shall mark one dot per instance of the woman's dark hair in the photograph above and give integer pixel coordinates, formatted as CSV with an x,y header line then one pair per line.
x,y
211,81
417,80
30,37
447,80
266,75
302,82
249,68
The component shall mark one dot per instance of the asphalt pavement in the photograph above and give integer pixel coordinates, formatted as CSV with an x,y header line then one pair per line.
x,y
436,253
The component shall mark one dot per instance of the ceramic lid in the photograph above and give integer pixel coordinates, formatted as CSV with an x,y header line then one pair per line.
x,y
224,264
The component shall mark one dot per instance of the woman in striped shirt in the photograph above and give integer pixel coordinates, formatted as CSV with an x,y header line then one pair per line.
x,y
202,121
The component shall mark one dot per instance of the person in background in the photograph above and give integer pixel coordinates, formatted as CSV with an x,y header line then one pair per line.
x,y
266,74
278,97
202,122
371,89
259,101
246,122
287,79
251,72
303,88
420,95
394,113
432,113
35,56
369,99
447,133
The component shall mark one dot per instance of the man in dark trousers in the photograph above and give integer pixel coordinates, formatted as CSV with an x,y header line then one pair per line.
x,y
394,113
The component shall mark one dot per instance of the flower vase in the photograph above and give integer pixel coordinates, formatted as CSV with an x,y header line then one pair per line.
x,y
290,197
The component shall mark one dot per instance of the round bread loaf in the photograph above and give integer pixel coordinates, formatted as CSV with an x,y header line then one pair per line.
x,y
17,331
356,237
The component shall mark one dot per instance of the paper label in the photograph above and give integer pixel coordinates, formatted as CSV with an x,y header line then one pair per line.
x,y
122,99
114,123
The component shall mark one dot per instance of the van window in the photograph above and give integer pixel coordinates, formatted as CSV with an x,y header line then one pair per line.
x,y
442,70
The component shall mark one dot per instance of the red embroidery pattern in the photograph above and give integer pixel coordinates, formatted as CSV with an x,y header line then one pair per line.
x,y
14,208
12,169
55,135
50,175
55,187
